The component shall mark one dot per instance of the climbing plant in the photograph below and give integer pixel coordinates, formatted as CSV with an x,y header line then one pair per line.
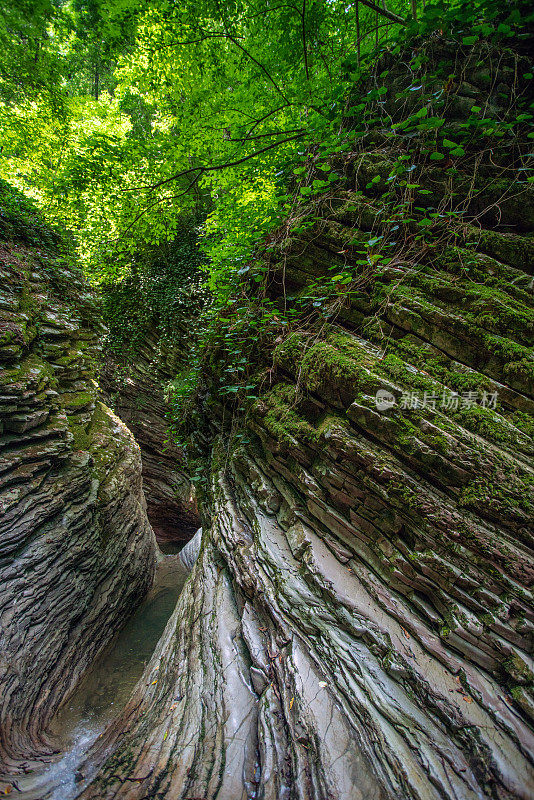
x,y
412,112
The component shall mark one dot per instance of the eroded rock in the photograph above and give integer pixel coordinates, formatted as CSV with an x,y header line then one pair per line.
x,y
135,387
76,549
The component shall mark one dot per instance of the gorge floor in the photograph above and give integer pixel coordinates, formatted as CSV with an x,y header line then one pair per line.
x,y
105,689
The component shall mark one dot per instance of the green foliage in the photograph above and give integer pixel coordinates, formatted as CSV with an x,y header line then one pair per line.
x,y
156,100
153,92
29,60
162,287
420,117
129,122
20,218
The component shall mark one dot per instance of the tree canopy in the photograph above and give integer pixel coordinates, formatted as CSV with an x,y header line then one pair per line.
x,y
122,118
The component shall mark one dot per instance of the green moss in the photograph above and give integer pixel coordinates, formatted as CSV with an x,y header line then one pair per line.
x,y
335,361
403,492
7,337
332,422
518,669
81,438
281,419
524,422
73,400
27,303
514,492
31,370
485,422
99,436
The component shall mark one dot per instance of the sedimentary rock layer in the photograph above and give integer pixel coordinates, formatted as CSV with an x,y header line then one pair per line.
x,y
76,549
135,387
302,672
359,621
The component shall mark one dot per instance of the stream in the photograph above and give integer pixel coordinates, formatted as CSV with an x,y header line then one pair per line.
x,y
107,686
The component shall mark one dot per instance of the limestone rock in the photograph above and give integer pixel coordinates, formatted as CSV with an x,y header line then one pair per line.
x,y
359,621
135,388
76,549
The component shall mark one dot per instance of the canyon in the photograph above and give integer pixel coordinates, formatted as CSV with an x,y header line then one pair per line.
x,y
358,618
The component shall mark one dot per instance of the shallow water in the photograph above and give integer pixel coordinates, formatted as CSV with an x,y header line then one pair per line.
x,y
58,781
108,685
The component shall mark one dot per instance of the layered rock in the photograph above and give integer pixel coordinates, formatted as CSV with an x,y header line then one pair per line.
x,y
76,549
359,621
135,386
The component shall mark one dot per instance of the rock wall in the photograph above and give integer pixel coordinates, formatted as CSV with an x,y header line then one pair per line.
x,y
76,549
359,621
135,387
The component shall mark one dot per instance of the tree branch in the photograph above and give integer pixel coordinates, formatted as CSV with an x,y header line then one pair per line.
x,y
260,65
384,11
263,135
201,170
157,202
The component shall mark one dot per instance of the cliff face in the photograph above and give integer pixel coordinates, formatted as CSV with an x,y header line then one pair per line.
x,y
76,549
135,388
359,622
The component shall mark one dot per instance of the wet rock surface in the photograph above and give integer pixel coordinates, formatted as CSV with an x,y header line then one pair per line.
x,y
76,550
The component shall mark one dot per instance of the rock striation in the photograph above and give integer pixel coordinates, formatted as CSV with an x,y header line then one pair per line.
x,y
135,388
76,548
358,623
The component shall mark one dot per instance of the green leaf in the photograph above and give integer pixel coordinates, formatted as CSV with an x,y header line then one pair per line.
x,y
436,156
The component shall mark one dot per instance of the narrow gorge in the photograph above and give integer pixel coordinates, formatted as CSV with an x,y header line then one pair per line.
x,y
344,448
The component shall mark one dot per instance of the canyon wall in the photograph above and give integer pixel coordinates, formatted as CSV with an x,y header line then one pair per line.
x,y
359,621
135,386
76,550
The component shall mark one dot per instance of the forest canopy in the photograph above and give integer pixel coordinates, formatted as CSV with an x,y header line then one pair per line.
x,y
125,121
